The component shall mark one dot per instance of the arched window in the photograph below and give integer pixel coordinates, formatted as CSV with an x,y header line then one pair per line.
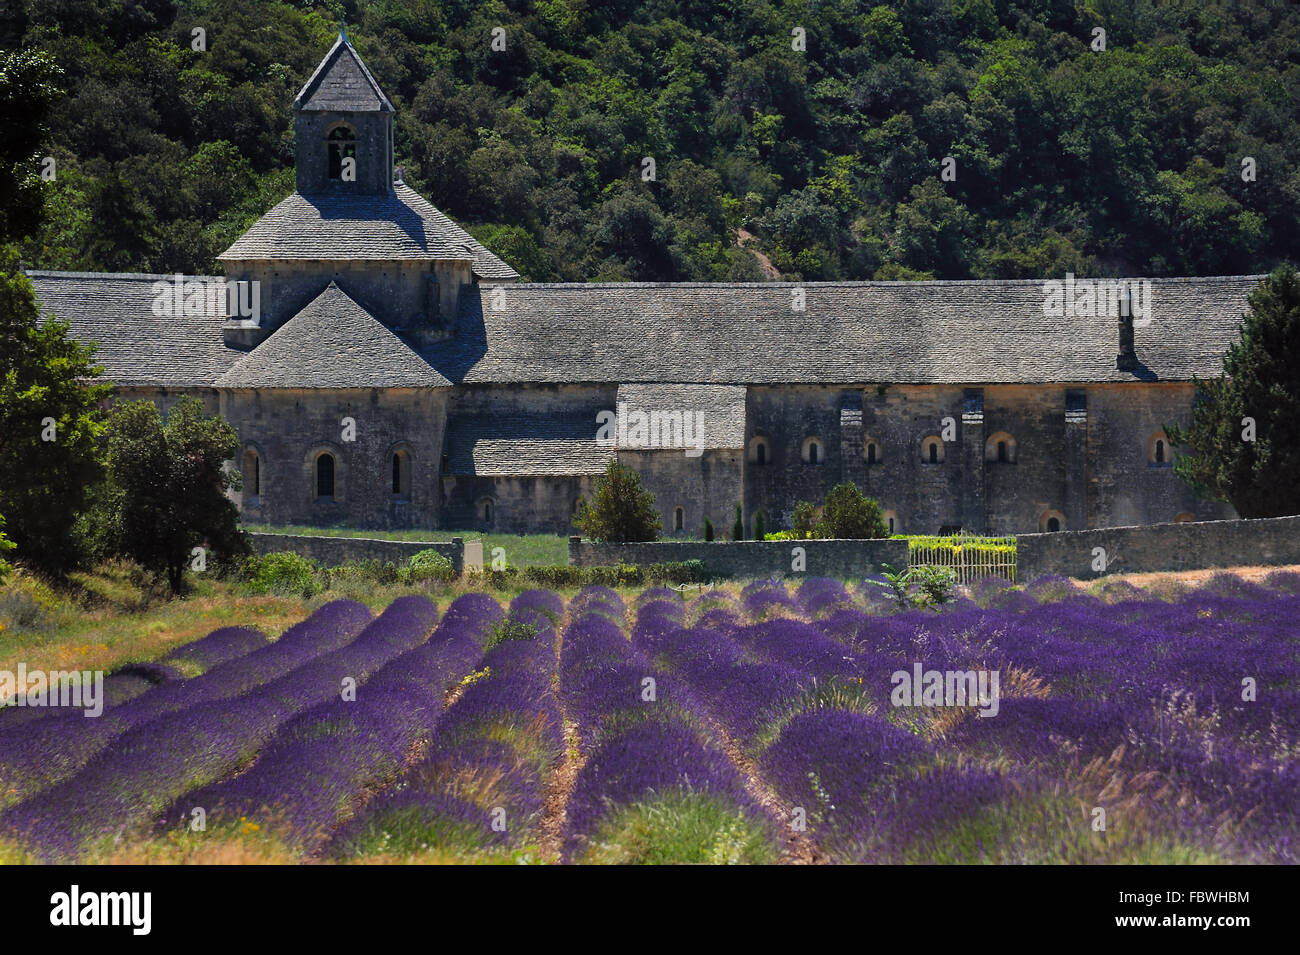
x,y
400,474
1051,521
252,473
1159,451
341,143
486,510
325,475
758,453
892,522
812,451
679,518
871,451
1000,448
932,449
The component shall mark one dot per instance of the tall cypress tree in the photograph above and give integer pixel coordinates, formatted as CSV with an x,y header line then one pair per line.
x,y
1243,445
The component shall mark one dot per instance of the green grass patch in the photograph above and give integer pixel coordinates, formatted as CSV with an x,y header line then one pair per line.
x,y
681,827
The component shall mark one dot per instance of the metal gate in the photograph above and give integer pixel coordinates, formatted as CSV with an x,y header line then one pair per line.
x,y
967,556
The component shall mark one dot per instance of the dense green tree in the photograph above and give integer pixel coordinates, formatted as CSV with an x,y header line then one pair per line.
x,y
621,510
167,487
1122,162
50,424
28,92
1243,445
850,515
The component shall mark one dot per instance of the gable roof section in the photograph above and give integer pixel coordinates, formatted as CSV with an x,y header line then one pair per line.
x,y
332,343
722,407
402,225
136,346
979,332
342,83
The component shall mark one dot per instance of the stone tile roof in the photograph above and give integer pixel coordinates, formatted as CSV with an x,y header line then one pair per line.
x,y
722,406
980,332
402,225
504,445
342,83
332,343
137,347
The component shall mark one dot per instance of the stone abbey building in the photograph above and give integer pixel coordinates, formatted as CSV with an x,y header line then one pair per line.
x,y
385,370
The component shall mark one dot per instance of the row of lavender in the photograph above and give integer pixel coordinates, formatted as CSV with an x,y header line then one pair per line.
x,y
1193,702
184,735
651,759
480,787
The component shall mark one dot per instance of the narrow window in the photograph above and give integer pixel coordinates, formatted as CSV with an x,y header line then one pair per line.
x,y
1160,452
891,525
397,474
761,455
257,476
934,454
325,475
812,453
871,454
679,519
1053,524
1002,452
487,511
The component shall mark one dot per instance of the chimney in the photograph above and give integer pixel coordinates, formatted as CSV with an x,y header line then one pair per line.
x,y
1127,359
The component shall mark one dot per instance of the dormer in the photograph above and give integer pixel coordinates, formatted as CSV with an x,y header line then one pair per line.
x,y
343,124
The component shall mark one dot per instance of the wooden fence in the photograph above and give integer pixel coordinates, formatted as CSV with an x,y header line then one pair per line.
x,y
967,556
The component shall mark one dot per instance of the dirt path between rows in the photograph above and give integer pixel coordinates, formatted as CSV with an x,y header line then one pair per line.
x,y
563,778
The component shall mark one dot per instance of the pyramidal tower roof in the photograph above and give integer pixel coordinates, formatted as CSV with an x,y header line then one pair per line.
x,y
342,83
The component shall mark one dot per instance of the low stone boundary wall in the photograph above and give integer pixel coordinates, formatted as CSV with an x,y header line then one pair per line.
x,y
848,559
332,551
1159,547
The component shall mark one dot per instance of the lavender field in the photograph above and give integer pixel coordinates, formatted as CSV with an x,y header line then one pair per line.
x,y
761,724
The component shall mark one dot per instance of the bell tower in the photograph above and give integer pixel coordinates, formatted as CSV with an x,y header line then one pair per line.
x,y
343,124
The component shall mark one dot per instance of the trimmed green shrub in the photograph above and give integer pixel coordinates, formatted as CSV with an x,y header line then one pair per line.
x,y
708,529
738,526
760,525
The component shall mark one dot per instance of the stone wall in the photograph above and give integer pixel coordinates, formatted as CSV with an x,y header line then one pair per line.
x,y
1159,547
288,429
332,551
709,485
848,559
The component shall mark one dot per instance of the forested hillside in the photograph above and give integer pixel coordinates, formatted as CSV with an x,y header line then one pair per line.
x,y
825,162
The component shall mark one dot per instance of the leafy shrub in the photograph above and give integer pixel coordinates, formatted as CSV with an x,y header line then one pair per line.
x,y
487,576
803,520
283,573
917,586
623,575
429,565
22,610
